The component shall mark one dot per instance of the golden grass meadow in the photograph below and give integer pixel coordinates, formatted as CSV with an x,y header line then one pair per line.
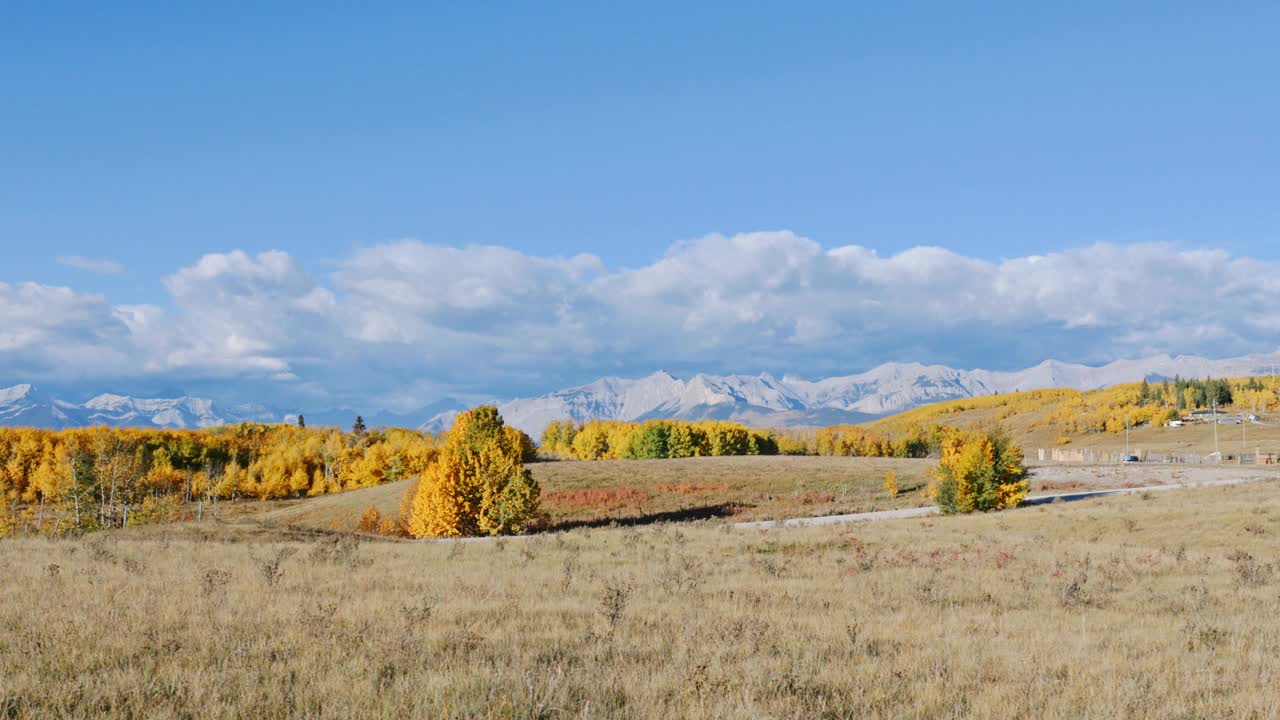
x,y
1160,604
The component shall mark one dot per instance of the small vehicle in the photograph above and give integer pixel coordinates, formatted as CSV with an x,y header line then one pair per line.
x,y
1130,459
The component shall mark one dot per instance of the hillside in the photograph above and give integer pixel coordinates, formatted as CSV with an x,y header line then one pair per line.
x,y
1097,419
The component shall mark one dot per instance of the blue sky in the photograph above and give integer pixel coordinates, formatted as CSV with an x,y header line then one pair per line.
x,y
149,135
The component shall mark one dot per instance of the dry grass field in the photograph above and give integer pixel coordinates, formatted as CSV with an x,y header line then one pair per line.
x,y
585,493
599,493
1189,439
1158,606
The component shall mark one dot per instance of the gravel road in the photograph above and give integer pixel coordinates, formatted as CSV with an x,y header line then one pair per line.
x,y
1103,481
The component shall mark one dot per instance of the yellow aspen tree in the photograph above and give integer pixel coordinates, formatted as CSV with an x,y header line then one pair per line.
x,y
407,499
477,484
891,484
441,506
978,471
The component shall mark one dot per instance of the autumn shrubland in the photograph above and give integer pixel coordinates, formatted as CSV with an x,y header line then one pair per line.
x,y
578,493
69,481
86,479
1152,606
977,471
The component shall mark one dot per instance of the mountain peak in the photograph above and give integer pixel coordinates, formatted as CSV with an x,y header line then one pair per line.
x,y
15,393
763,400
106,401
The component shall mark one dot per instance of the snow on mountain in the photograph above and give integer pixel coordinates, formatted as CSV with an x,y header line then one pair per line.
x,y
13,395
759,400
20,405
767,401
16,401
182,412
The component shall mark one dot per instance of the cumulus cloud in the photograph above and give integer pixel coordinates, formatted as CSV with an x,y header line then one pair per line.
x,y
104,267
409,292
258,315
406,320
48,331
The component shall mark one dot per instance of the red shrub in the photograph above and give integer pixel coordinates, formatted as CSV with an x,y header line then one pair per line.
x,y
689,488
601,498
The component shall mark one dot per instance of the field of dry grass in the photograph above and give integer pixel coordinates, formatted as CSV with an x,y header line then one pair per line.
x,y
582,493
1195,438
1143,606
595,494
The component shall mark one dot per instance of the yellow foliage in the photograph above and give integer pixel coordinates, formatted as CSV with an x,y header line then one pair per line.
x,y
369,520
97,477
1063,413
156,509
477,485
978,471
407,500
655,439
891,484
441,506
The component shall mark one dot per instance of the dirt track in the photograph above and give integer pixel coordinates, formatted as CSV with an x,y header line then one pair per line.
x,y
1123,481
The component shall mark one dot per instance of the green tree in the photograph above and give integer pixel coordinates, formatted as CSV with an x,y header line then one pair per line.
x,y
652,441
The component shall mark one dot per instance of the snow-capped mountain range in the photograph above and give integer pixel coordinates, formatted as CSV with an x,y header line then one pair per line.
x,y
24,405
761,400
764,400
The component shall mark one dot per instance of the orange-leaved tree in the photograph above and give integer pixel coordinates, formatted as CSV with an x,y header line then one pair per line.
x,y
477,484
978,471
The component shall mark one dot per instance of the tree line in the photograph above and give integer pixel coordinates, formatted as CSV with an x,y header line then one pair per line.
x,y
655,439
104,477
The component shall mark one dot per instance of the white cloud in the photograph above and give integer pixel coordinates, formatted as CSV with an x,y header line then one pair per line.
x,y
403,320
48,331
459,301
104,267
258,315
